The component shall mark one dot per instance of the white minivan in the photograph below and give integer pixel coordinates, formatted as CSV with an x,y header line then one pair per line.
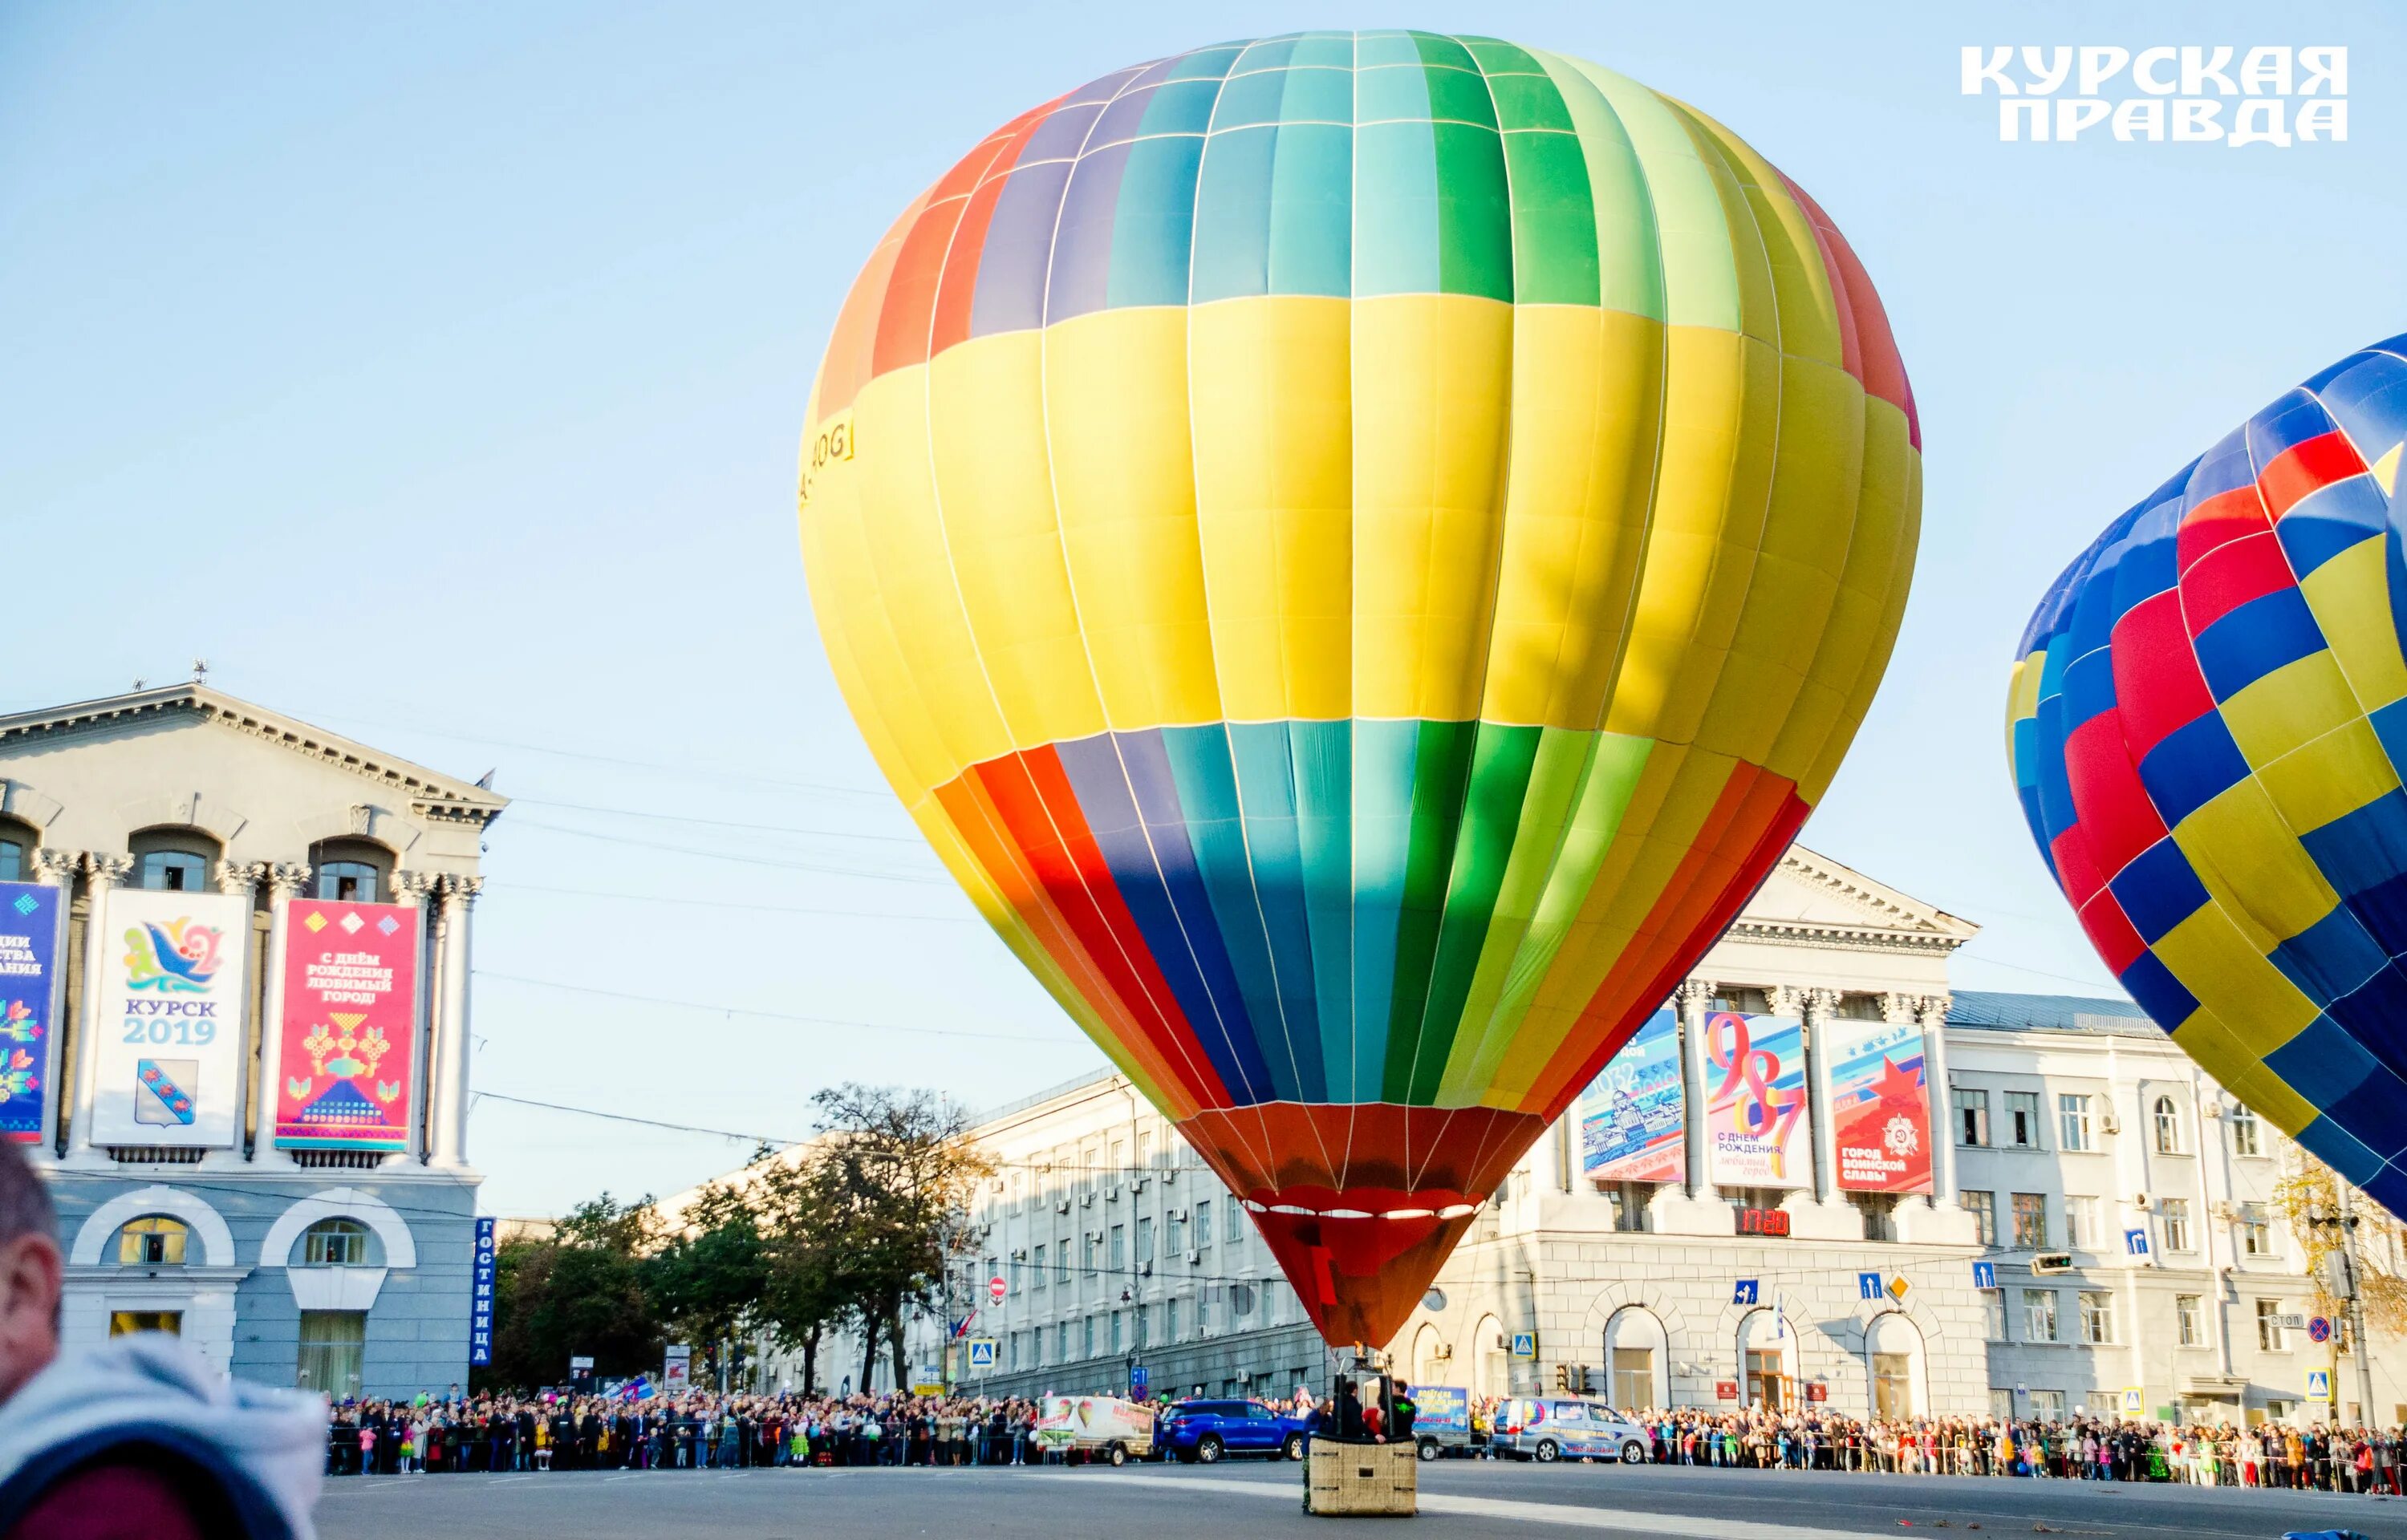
x,y
1549,1428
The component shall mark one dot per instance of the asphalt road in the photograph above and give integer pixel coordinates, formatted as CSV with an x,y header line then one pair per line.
x,y
1253,1501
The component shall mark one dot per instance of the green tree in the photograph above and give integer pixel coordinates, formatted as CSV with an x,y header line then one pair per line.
x,y
582,1290
710,1280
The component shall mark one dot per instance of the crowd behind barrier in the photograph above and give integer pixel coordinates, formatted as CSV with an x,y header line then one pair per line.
x,y
698,1430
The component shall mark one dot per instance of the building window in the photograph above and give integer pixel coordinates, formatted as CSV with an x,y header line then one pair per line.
x,y
1088,1338
2097,1316
334,1243
2269,1336
12,861
1745,1002
347,883
2246,1138
1037,1263
2073,1122
2177,1223
2186,1321
2047,1406
2081,1222
1630,1201
1993,1305
1971,1117
1118,1252
1063,1356
2022,1119
1145,1241
2167,1117
331,1344
1170,1322
1892,1385
2030,1223
127,1322
1062,1262
2256,1231
1202,1224
2039,1315
152,1242
1119,1330
1232,1224
1174,1226
2001,1404
1983,1207
172,872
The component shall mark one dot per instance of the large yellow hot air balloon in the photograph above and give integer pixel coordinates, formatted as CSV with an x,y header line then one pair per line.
x,y
1359,550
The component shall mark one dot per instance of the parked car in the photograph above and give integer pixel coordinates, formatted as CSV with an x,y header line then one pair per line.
x,y
1209,1431
1551,1428
1096,1427
1442,1421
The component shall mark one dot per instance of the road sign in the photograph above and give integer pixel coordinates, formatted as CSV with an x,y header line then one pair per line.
x,y
1725,1389
677,1370
981,1352
997,1288
1525,1344
1136,1381
2319,1384
580,1364
1744,1292
2291,1322
2135,1401
1898,1287
1985,1274
2136,1242
2318,1329
1868,1286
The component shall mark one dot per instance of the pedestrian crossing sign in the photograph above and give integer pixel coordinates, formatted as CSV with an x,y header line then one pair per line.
x,y
2319,1384
1525,1344
981,1352
2134,1400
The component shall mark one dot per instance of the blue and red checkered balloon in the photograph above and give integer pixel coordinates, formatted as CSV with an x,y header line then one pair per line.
x,y
2208,723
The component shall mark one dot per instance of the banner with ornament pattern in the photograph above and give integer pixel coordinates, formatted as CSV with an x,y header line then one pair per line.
x,y
350,1017
29,1000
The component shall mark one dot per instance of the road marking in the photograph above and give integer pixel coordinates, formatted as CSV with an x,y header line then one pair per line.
x,y
1625,1520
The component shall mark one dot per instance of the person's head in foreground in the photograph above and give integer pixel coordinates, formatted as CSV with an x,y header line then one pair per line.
x,y
137,1438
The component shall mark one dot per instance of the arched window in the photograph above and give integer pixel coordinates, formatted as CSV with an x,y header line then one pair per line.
x,y
1491,1368
334,1243
357,871
2167,1119
173,860
18,840
154,1241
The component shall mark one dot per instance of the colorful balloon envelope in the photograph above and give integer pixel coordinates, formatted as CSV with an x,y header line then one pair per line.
x,y
1359,550
2206,724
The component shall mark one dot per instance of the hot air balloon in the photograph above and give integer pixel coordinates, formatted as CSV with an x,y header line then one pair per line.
x,y
2207,723
1359,550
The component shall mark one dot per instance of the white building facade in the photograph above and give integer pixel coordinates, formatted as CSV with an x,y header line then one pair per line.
x,y
1117,1248
248,1086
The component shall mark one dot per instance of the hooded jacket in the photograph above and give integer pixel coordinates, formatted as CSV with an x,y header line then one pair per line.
x,y
264,1448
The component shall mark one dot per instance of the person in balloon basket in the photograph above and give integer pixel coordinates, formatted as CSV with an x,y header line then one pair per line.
x,y
139,1439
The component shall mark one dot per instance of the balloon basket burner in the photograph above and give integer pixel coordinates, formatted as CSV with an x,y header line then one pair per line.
x,y
1361,1478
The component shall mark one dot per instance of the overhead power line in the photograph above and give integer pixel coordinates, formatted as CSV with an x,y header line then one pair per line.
x,y
924,880
710,1009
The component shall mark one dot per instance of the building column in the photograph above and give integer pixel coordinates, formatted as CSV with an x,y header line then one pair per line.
x,y
101,873
1821,1006
56,868
1694,998
410,890
449,1096
241,879
286,882
1931,1014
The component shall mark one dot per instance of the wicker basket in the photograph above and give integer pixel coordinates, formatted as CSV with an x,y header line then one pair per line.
x,y
1359,1478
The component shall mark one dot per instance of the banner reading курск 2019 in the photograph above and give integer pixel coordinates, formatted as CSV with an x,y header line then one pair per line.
x,y
167,1040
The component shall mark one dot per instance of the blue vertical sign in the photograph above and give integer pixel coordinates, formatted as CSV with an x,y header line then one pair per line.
x,y
1868,1286
29,997
1985,1274
481,1304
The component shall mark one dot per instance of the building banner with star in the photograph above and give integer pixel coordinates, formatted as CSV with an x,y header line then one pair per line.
x,y
30,980
350,1022
1880,1105
167,1037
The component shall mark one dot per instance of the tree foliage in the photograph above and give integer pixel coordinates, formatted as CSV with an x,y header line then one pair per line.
x,y
2309,1191
583,1288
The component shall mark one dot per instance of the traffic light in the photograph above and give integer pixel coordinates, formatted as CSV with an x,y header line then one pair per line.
x,y
1562,1379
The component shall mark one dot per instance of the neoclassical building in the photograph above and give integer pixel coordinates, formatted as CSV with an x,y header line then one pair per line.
x,y
1981,1202
234,956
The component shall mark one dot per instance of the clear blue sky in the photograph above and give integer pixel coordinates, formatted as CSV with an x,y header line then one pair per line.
x,y
436,371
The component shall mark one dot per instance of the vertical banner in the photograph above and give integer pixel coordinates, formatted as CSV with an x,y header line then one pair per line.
x,y
1631,1115
1880,1105
350,1014
28,996
167,1040
1758,1132
480,1299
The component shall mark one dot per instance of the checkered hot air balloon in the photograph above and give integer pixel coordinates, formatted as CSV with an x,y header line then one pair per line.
x,y
2206,724
1359,550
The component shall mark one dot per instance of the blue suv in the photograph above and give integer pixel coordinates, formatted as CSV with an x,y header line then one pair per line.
x,y
1209,1431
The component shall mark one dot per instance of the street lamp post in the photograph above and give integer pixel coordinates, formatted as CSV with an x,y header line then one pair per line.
x,y
2344,1217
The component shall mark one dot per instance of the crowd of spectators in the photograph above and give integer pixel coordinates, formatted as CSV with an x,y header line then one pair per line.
x,y
700,1430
